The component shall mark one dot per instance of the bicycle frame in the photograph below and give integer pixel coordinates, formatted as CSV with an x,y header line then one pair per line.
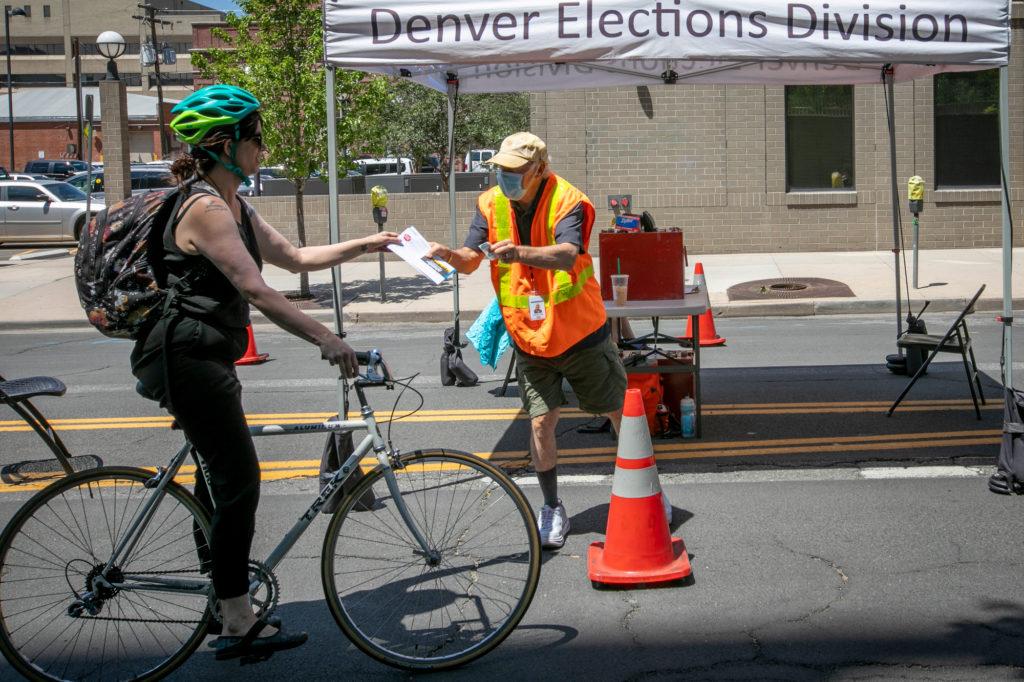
x,y
372,441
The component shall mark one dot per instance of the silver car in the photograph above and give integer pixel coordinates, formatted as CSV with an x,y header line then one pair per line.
x,y
41,211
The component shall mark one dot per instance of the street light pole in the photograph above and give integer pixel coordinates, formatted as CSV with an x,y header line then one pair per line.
x,y
8,13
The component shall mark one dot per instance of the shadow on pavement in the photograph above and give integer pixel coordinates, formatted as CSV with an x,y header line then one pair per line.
x,y
795,417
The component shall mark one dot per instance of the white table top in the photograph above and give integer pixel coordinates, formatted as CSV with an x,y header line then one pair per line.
x,y
694,304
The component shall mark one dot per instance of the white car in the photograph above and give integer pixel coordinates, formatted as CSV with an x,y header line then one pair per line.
x,y
41,211
385,166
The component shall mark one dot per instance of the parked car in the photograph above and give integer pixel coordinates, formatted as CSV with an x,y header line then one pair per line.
x,y
476,158
37,211
58,169
384,166
144,179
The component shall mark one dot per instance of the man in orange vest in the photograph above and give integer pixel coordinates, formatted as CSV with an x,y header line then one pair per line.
x,y
535,228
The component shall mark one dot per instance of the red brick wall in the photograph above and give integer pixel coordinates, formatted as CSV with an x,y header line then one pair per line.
x,y
30,138
52,139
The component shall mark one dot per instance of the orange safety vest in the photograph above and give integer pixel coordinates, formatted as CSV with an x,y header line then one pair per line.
x,y
572,300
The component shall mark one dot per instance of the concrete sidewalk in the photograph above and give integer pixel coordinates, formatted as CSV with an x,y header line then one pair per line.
x,y
35,293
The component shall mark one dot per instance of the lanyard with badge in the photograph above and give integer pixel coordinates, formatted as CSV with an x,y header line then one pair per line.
x,y
536,301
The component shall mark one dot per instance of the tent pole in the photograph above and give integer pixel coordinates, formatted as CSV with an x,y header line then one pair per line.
x,y
889,76
1004,160
453,87
333,219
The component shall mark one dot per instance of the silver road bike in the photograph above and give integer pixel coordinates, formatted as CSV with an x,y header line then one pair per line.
x,y
429,562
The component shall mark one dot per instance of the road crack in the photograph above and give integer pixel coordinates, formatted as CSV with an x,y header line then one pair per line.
x,y
625,622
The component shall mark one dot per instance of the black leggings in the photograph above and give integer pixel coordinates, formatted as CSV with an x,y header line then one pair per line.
x,y
206,400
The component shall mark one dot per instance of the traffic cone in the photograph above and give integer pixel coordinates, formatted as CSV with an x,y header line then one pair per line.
x,y
638,547
708,335
251,357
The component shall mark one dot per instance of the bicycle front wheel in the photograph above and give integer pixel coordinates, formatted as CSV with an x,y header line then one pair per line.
x,y
421,611
63,617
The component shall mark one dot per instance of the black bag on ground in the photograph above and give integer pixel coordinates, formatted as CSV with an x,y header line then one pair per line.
x,y
453,367
1009,476
337,449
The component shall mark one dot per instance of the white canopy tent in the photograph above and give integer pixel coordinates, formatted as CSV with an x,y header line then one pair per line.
x,y
530,45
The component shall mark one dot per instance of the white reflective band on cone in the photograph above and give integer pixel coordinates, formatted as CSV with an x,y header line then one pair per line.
x,y
634,439
636,483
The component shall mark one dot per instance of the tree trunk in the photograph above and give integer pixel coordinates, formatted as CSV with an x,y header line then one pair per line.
x,y
300,224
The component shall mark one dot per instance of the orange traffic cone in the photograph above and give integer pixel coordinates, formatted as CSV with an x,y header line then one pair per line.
x,y
708,335
638,547
251,357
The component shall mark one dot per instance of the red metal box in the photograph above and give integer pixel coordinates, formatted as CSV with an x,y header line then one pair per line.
x,y
653,261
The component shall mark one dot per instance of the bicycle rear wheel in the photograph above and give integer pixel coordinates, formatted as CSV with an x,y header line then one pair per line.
x,y
50,556
405,610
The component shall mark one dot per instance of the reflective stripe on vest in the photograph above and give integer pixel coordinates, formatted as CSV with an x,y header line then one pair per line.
x,y
565,288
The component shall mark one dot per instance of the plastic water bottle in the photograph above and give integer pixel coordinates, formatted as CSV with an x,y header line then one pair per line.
x,y
688,417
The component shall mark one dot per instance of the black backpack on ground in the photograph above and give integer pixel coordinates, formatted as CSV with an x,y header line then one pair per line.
x,y
453,367
1009,476
118,268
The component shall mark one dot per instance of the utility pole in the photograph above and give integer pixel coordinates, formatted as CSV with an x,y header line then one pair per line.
x,y
150,18
76,51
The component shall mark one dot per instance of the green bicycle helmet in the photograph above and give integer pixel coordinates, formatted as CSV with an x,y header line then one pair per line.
x,y
211,107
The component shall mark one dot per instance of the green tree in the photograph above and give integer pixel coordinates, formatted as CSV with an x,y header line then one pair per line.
x,y
416,121
274,49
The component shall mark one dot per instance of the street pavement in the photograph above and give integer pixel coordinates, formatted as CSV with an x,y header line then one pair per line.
x,y
36,292
827,541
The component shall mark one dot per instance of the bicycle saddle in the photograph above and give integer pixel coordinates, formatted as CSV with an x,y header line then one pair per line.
x,y
16,390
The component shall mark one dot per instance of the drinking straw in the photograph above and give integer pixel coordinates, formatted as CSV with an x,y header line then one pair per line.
x,y
618,266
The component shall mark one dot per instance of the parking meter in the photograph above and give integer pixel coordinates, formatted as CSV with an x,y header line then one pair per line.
x,y
915,193
379,200
915,197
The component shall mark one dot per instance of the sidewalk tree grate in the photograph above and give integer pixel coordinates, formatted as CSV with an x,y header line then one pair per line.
x,y
786,287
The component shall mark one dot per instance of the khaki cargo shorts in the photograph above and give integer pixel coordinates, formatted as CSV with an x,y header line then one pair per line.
x,y
596,375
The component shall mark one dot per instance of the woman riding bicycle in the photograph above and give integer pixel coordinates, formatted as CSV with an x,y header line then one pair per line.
x,y
214,251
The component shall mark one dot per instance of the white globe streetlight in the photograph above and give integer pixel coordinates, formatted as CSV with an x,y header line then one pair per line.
x,y
111,45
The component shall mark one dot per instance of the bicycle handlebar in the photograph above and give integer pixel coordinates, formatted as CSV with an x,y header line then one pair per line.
x,y
377,371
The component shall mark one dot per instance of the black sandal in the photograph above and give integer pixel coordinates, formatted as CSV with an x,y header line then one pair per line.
x,y
216,628
251,645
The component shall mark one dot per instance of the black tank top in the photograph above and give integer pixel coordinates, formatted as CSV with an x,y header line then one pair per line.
x,y
202,290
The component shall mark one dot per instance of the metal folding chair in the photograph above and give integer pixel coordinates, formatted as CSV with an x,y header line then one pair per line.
x,y
957,339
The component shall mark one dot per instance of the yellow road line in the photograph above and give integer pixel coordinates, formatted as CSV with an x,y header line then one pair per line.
x,y
500,414
306,468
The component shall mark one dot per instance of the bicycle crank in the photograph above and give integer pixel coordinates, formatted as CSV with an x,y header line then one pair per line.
x,y
264,591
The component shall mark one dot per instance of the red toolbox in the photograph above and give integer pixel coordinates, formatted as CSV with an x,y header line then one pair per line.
x,y
653,261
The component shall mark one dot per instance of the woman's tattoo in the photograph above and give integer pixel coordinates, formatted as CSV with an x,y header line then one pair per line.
x,y
213,207
364,247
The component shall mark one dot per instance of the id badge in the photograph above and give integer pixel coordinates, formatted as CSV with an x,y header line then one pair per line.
x,y
537,312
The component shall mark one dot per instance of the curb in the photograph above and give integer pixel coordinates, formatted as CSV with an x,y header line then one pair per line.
x,y
795,308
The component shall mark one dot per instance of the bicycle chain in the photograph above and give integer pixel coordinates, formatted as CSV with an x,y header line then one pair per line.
x,y
148,620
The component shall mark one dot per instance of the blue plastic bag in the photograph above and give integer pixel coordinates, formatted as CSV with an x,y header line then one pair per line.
x,y
489,335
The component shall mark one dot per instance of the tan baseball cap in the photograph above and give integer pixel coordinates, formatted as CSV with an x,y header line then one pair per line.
x,y
519,149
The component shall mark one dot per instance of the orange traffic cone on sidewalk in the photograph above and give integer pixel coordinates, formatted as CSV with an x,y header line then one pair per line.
x,y
708,335
251,357
638,547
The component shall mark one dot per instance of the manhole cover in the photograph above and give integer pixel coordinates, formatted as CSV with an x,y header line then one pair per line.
x,y
802,287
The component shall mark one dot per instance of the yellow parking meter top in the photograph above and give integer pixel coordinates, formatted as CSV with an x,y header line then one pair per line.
x,y
378,196
915,188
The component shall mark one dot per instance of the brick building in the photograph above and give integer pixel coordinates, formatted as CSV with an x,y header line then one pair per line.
x,y
45,126
42,43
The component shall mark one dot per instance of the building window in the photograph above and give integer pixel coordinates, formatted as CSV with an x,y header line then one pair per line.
x,y
819,137
28,11
175,78
38,80
132,80
46,11
967,129
87,46
51,48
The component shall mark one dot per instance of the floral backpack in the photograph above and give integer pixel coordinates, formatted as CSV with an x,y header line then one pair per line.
x,y
118,271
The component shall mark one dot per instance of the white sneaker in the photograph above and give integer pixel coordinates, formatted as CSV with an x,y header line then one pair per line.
x,y
668,507
553,524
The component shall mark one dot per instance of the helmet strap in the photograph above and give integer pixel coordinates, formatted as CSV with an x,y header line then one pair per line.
x,y
230,163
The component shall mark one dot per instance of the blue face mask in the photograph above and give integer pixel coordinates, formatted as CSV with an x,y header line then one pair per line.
x,y
511,184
